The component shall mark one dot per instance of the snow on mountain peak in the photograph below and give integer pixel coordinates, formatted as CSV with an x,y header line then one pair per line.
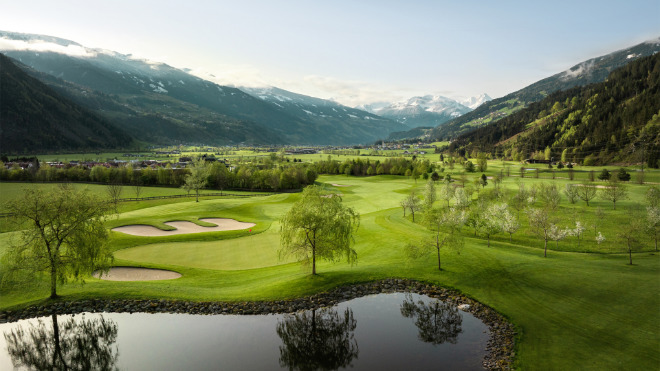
x,y
474,102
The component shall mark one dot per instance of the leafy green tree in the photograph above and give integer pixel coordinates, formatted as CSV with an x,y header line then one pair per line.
x,y
550,195
469,166
483,180
198,177
482,161
64,236
623,175
604,175
319,225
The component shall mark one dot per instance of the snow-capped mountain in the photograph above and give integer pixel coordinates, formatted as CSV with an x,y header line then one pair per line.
x,y
324,112
474,102
428,110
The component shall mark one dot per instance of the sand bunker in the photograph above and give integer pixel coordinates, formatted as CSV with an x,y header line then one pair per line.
x,y
137,274
184,227
339,185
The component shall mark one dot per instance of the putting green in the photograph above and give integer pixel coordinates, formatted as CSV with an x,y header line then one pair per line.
x,y
255,251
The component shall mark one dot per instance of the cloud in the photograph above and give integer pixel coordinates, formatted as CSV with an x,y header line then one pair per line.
x,y
232,75
581,69
353,93
44,46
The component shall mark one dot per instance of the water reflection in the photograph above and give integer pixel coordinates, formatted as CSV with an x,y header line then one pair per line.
x,y
438,322
318,340
70,345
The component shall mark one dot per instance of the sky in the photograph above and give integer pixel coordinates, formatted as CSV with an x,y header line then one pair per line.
x,y
354,52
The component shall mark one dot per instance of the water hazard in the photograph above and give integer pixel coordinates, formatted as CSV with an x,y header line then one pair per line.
x,y
386,331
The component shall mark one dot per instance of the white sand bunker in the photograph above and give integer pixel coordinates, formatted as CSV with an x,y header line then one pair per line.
x,y
339,185
137,274
184,227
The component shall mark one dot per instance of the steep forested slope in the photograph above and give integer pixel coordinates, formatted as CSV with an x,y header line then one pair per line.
x,y
33,117
616,120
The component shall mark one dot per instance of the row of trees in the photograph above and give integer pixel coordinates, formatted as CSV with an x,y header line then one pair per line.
x,y
218,176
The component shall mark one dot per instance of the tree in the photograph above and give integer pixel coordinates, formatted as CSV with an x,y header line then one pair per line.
x,y
571,193
137,186
114,190
578,231
604,175
653,196
490,220
623,175
198,177
317,341
549,194
629,235
587,192
483,180
614,191
319,225
461,198
64,236
539,222
653,222
447,191
412,203
429,194
482,161
445,225
510,223
557,234
469,166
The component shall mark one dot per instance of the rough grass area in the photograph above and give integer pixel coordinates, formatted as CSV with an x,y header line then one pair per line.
x,y
580,308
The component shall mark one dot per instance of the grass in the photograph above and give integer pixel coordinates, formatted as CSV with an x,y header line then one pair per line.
x,y
573,310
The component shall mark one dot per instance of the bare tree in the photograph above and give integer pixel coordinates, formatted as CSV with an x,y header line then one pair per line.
x,y
413,204
587,192
137,186
653,222
614,191
571,193
539,222
549,194
114,190
629,235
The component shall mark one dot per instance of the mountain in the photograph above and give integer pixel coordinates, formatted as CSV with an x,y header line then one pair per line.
x,y
588,72
162,104
36,118
416,112
617,120
327,115
474,102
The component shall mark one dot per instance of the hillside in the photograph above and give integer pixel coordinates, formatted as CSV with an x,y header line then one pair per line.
x,y
612,121
588,72
35,117
164,105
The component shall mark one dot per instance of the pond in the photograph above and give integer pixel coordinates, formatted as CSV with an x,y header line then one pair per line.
x,y
385,331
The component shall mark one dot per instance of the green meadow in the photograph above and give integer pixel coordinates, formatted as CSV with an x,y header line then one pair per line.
x,y
579,308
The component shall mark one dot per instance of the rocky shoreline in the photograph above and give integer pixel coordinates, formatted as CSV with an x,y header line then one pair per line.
x,y
500,348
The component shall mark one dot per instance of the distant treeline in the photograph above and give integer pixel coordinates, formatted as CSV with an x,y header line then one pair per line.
x,y
390,166
219,176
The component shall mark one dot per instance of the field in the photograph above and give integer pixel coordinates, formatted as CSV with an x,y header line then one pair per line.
x,y
579,308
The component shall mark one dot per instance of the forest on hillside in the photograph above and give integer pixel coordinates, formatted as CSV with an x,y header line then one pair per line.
x,y
614,121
